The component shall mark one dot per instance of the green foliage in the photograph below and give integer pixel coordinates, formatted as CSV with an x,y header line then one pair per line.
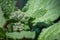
x,y
28,23
41,9
2,19
20,35
7,7
53,12
51,33
2,33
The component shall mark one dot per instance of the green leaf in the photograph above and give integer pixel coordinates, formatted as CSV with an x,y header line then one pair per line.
x,y
52,13
20,35
51,33
2,19
26,27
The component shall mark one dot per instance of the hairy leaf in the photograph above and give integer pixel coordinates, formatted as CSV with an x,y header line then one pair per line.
x,y
51,33
20,35
52,13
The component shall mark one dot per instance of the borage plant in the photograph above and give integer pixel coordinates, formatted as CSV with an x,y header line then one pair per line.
x,y
38,20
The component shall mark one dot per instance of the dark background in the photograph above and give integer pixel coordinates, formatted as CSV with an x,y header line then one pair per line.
x,y
21,3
